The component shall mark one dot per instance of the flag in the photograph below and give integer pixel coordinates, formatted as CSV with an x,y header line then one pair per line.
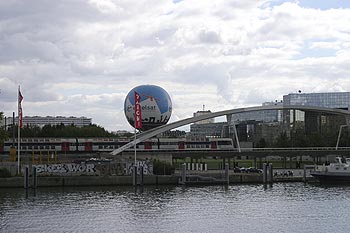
x,y
138,117
20,115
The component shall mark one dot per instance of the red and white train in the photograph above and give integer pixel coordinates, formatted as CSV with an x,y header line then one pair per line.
x,y
109,144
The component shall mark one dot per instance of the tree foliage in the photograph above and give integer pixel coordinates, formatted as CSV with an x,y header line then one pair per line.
x,y
65,131
3,134
300,139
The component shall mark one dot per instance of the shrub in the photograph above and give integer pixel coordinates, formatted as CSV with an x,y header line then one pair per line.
x,y
162,168
4,172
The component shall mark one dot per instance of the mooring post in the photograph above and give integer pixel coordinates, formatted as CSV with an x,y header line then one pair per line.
x,y
134,180
264,173
270,177
141,175
183,175
35,178
227,173
26,177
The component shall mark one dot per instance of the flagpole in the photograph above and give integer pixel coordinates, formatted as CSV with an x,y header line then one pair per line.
x,y
135,143
19,133
138,125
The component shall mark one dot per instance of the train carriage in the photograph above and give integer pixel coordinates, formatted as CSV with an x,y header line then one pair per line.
x,y
80,145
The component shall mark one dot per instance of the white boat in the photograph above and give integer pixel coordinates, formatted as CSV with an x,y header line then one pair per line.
x,y
334,172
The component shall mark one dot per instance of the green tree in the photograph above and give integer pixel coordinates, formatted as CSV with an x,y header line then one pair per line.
x,y
282,140
3,133
70,131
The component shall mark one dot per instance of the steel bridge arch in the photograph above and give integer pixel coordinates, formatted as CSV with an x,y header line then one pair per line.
x,y
153,132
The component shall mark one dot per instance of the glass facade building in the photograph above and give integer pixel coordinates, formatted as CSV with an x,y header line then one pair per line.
x,y
340,100
269,124
315,122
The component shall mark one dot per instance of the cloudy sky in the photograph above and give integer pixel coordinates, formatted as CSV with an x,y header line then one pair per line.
x,y
82,57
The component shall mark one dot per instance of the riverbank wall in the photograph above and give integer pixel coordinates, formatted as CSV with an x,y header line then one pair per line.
x,y
71,181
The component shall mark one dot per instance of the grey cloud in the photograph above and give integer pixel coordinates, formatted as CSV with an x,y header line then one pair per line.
x,y
209,37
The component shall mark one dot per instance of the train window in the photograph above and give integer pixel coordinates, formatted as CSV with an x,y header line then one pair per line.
x,y
224,143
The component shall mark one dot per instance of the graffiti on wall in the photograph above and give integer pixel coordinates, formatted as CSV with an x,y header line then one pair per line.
x,y
147,167
65,169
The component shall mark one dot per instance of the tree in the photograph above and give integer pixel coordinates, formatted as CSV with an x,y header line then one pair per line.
x,y
3,134
282,140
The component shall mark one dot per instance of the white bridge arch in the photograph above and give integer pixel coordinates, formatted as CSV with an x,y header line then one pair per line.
x,y
153,132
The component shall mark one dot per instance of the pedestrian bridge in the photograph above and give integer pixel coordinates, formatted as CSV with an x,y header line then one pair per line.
x,y
228,113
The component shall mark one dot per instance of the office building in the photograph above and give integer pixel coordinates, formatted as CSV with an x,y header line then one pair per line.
x,y
51,120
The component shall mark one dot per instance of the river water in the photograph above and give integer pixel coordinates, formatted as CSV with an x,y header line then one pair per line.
x,y
285,207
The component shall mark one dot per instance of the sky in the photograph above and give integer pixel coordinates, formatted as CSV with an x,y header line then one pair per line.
x,y
82,57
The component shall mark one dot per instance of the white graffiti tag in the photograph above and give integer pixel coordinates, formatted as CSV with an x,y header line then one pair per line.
x,y
66,168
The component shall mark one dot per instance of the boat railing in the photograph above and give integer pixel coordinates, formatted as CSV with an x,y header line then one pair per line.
x,y
321,168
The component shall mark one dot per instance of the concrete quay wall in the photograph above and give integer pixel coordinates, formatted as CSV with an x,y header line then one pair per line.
x,y
71,181
59,181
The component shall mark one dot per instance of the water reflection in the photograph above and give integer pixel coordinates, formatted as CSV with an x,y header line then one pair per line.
x,y
285,207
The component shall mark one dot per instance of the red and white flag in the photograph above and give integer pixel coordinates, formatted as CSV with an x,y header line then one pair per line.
x,y
20,115
138,117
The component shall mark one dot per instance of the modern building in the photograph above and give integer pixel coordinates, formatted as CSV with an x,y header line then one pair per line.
x,y
51,120
315,122
200,113
203,130
340,100
268,124
261,116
